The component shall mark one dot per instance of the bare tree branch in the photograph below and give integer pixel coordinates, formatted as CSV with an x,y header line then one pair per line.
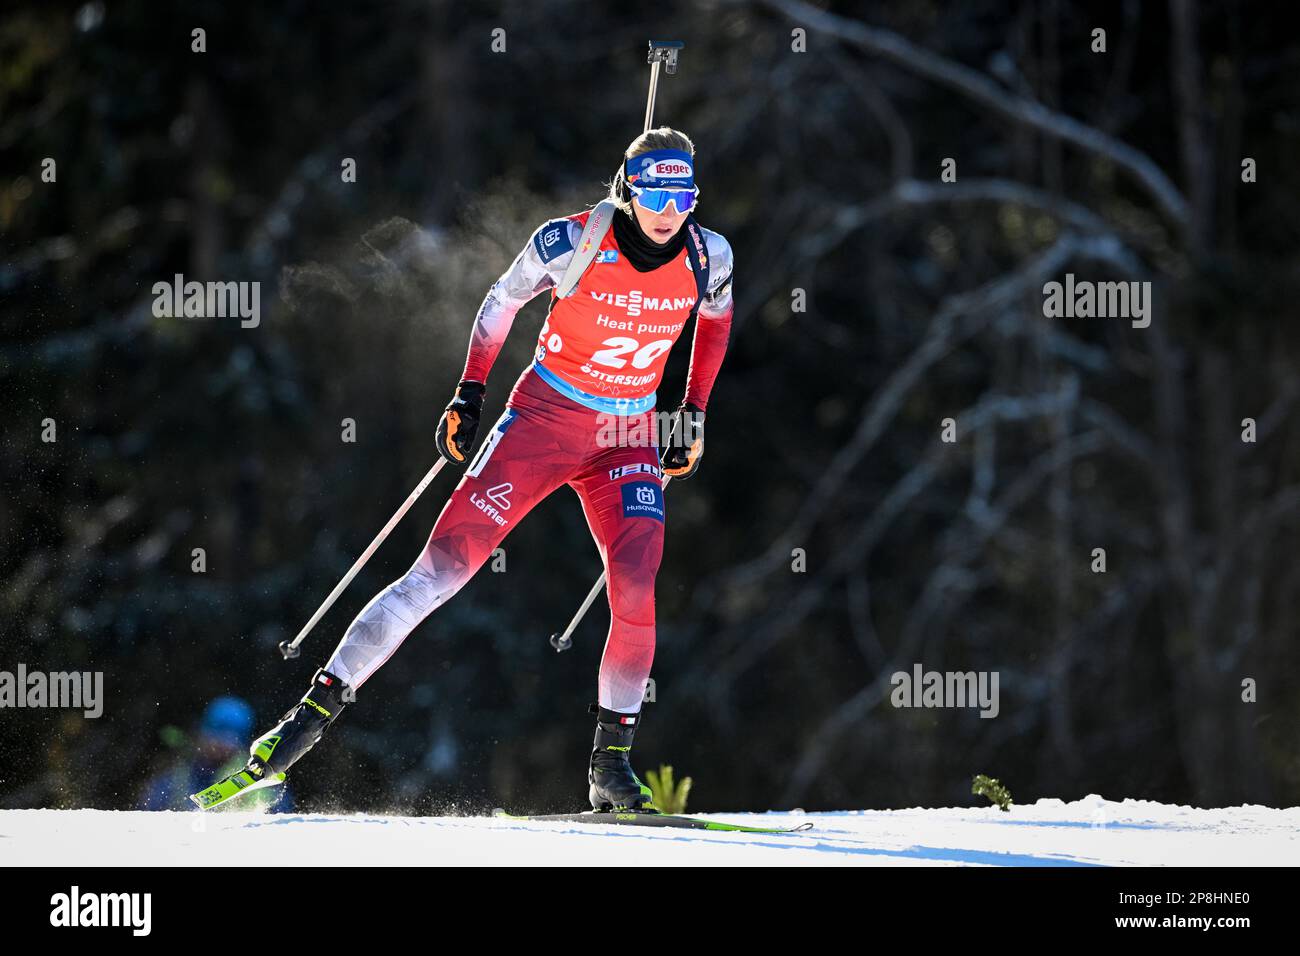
x,y
944,333
978,87
824,741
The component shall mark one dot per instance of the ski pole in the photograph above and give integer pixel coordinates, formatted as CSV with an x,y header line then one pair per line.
x,y
290,648
562,642
665,52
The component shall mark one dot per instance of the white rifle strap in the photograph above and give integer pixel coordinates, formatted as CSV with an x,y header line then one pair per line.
x,y
593,233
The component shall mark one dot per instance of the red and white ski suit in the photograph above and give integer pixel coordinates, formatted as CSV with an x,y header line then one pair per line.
x,y
599,358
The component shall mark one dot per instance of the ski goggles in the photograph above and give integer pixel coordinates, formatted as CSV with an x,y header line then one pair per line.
x,y
657,200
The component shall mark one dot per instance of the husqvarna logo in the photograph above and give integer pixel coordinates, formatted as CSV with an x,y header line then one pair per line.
x,y
643,499
550,237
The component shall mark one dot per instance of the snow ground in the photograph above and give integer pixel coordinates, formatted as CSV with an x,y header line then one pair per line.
x,y
1086,832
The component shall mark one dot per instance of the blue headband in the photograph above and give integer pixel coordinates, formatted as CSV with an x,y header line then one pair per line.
x,y
661,169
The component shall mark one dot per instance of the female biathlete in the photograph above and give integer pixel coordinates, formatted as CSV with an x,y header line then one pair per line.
x,y
600,356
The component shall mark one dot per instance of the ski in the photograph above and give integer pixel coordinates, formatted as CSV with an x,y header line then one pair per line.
x,y
608,818
240,782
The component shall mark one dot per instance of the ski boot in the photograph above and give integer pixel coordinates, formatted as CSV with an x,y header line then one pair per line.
x,y
272,754
613,785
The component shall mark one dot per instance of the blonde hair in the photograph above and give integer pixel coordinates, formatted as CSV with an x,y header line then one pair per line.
x,y
663,137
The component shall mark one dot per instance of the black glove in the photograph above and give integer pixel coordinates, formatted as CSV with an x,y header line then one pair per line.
x,y
459,423
685,448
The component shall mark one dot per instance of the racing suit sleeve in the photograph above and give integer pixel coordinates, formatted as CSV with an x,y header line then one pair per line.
x,y
540,265
712,324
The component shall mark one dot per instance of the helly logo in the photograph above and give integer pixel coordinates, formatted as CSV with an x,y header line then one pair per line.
x,y
635,469
498,495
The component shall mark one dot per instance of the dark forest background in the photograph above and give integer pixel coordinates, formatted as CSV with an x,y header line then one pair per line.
x,y
923,302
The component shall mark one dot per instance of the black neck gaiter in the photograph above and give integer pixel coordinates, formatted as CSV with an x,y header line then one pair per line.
x,y
642,251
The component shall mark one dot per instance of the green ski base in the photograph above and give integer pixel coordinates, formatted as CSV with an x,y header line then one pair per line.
x,y
236,784
614,818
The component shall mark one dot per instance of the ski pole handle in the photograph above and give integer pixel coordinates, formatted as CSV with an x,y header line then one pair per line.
x,y
562,642
290,648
